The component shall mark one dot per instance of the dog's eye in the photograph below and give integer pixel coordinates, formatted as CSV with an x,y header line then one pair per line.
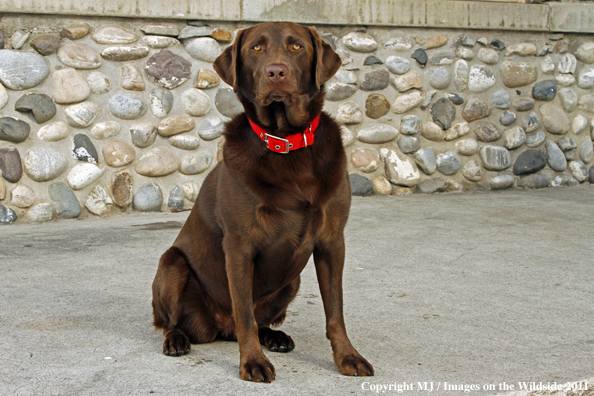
x,y
257,47
296,46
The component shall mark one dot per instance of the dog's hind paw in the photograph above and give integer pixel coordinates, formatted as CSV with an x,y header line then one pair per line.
x,y
176,344
275,340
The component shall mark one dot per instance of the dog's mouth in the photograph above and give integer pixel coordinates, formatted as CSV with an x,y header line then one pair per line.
x,y
276,95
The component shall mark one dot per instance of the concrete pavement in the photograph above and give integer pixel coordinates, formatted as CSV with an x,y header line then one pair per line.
x,y
472,289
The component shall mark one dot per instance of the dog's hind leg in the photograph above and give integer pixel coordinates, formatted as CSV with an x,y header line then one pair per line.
x,y
168,288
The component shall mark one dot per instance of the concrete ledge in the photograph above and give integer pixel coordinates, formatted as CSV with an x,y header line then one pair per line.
x,y
555,17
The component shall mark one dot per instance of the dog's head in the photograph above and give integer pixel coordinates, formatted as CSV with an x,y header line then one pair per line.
x,y
278,63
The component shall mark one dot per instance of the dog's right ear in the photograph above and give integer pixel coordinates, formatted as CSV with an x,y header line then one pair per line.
x,y
228,63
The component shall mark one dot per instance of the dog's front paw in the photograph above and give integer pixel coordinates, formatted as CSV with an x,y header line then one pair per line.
x,y
354,364
257,369
275,340
176,343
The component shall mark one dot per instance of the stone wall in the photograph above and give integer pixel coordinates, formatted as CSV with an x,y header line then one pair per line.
x,y
101,116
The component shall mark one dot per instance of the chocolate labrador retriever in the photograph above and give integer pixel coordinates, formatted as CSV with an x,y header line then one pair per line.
x,y
281,194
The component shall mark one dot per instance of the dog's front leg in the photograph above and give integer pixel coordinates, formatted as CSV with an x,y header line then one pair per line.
x,y
329,262
239,263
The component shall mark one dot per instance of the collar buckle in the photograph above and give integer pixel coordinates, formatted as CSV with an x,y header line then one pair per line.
x,y
274,143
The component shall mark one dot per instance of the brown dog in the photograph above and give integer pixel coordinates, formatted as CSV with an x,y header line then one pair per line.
x,y
263,211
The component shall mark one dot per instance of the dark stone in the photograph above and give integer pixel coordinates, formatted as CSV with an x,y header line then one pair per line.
x,y
431,186
420,56
176,200
360,185
591,174
65,203
497,44
524,104
14,130
121,188
167,69
545,90
530,161
7,215
372,60
83,149
507,118
41,106
455,99
376,106
486,131
46,44
10,164
534,181
443,112
375,80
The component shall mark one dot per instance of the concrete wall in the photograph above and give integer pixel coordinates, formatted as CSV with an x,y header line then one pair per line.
x,y
504,99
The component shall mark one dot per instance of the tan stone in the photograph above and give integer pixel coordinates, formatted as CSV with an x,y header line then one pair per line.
x,y
432,131
121,188
2,187
207,79
132,78
117,153
22,196
75,32
365,159
407,81
432,42
160,161
517,74
222,35
381,185
173,125
68,86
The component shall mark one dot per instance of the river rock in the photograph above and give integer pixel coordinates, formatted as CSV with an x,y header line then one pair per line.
x,y
475,109
13,130
428,98
564,180
159,42
410,124
554,119
555,156
185,141
376,106
79,56
132,78
488,56
65,203
507,118
448,163
495,158
457,130
521,49
465,53
148,198
535,139
501,99
586,149
442,58
544,90
530,161
336,91
486,131
211,128
126,53
3,96
530,122
161,102
461,75
121,188
83,175
579,124
514,137
160,161
467,147
586,78
360,185
68,86
98,82
117,153
569,99
501,182
83,149
22,196
195,102
104,130
98,202
365,159
517,74
7,215
359,42
375,80
397,65
168,69
143,134
534,181
75,32
409,144
41,106
22,69
44,163
127,106
480,78
344,76
439,77
204,49
426,159
547,65
472,171
40,213
406,102
45,44
585,52
420,56
579,170
349,113
175,203
195,163
399,44
173,125
11,167
568,147
227,103
565,80
400,169
408,81
432,131
346,136
81,115
586,103
443,113
113,35
377,133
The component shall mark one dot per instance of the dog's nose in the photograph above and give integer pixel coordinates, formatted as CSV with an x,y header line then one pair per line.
x,y
277,72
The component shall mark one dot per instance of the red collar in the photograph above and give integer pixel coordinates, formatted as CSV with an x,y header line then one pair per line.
x,y
289,143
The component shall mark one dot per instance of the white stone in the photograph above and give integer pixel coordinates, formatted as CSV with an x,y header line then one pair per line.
x,y
585,79
79,56
194,164
480,78
359,42
377,133
346,136
104,130
472,171
19,38
467,147
113,35
488,56
344,76
406,102
547,65
457,130
160,161
567,63
3,96
53,132
349,113
432,131
159,42
98,82
579,124
565,80
400,169
461,71
585,52
205,49
185,141
83,175
195,102
465,53
190,191
81,115
68,86
578,170
98,202
522,49
44,163
399,44
514,137
40,213
22,196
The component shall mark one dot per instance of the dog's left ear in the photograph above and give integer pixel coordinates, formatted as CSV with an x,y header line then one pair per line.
x,y
228,63
327,61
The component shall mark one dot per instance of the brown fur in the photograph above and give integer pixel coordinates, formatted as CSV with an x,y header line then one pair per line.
x,y
234,268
